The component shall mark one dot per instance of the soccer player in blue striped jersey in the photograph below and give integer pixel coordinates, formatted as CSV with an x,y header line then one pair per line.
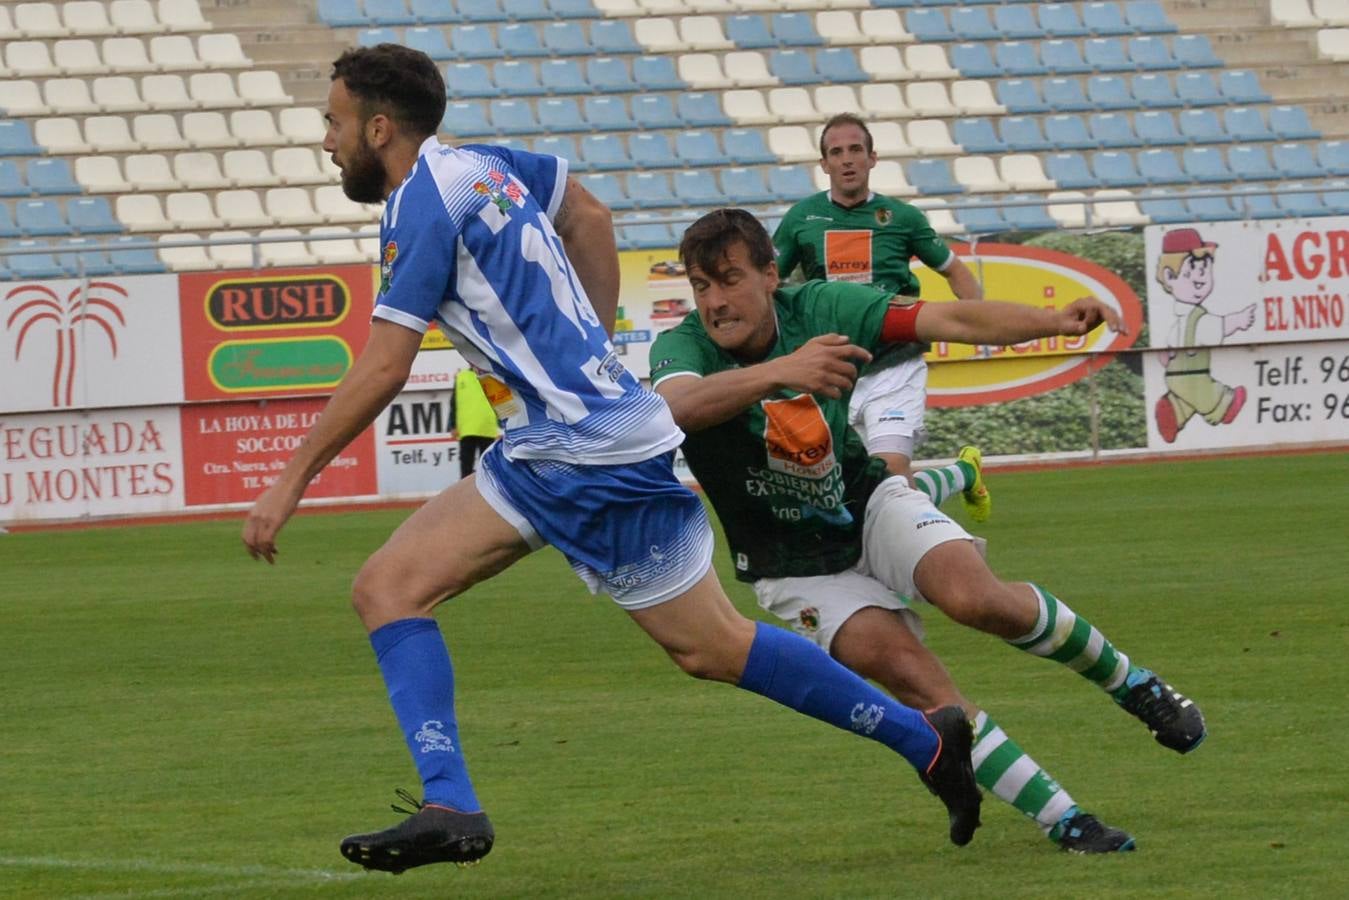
x,y
516,262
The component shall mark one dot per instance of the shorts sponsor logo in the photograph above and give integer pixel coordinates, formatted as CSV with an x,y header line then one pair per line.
x,y
847,255
431,739
893,415
932,519
866,717
797,437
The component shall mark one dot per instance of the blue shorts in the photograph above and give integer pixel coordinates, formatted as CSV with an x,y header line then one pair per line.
x,y
631,530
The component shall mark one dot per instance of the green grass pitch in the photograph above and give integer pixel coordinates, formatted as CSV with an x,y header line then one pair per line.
x,y
179,721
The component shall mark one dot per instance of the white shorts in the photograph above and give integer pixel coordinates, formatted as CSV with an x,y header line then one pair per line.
x,y
901,526
886,408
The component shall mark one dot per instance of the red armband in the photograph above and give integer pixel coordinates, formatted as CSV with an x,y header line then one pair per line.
x,y
900,324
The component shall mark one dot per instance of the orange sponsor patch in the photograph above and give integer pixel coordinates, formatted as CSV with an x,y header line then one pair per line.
x,y
798,437
847,255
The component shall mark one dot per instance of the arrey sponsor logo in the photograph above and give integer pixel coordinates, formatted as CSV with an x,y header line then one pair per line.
x,y
847,255
38,306
797,437
303,301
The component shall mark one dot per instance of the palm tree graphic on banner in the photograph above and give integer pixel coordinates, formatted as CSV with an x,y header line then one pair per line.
x,y
39,304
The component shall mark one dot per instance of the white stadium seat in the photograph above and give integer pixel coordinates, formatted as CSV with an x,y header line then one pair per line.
x,y
141,212
290,206
883,27
928,61
888,178
249,167
302,125
174,53
7,31
657,35
100,175
126,54
199,170
284,253
150,172
298,165
839,26
975,98
1023,172
214,90
235,255
747,68
182,15
134,17
888,139
255,128
747,107
1067,213
158,131
69,95
117,93
263,89
86,17
60,135
110,134
337,250
78,56
978,173
222,51
241,208
883,63
30,59
703,33
1331,12
191,209
38,20
931,136
22,98
1120,209
1292,14
206,130
333,205
702,71
792,143
882,101
662,7
793,104
166,92
1333,44
181,259
929,98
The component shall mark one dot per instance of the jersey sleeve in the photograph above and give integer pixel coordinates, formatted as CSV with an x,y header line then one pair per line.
x,y
545,176
681,351
416,261
784,240
924,242
844,307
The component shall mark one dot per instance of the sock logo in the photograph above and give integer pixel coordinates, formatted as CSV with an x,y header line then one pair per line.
x,y
866,717
431,738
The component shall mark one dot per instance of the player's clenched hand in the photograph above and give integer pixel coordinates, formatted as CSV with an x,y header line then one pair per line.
x,y
270,511
823,365
1086,313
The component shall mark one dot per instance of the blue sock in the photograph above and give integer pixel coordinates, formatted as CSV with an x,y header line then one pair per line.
x,y
417,672
786,667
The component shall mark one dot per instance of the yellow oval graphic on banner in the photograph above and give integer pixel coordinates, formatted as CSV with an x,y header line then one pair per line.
x,y
1033,276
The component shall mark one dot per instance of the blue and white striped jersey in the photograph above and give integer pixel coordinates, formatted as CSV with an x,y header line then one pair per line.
x,y
467,240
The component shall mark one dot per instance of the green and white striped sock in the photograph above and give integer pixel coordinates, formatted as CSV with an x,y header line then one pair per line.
x,y
945,482
1002,767
1063,636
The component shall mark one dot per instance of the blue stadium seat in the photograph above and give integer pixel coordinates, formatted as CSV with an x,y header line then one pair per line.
x,y
1020,58
1163,207
1193,51
517,78
1288,122
1157,128
1291,161
656,73
1250,164
790,183
473,42
1241,86
839,65
1022,134
1260,205
1334,157
342,13
479,11
746,147
430,41
646,236
1244,123
563,76
749,32
793,67
745,185
974,60
652,151
51,176
1111,130
369,37
12,183
388,12
607,189
512,143
572,9
525,10
1063,57
652,189
927,25
1336,200
614,36
521,39
1150,53
466,118
7,227
699,148
560,114
1011,22
1109,92
1147,17
84,256
1065,95
1115,169
1153,91
1205,165
1107,54
976,135
1302,204
34,266
469,79
1027,218
513,117
607,114
1061,20
793,29
605,152
609,74
16,139
979,219
1068,132
1160,167
433,12
933,176
566,39
654,112
1198,89
1069,170
39,218
92,215
1020,95
701,109
971,23
133,260
1104,19
565,147
1201,126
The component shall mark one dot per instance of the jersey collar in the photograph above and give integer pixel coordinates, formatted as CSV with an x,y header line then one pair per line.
x,y
871,195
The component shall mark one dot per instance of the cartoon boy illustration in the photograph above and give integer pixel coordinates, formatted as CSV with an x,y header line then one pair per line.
x,y
1185,271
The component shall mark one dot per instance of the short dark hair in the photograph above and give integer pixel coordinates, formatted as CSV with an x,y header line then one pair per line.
x,y
398,81
846,118
707,240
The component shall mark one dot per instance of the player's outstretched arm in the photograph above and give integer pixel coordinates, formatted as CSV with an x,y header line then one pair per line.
x,y
963,283
587,232
825,365
376,377
997,322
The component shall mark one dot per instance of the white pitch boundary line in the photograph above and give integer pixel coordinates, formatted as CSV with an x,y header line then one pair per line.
x,y
173,868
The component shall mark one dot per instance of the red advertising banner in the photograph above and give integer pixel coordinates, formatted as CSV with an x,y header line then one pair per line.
x,y
232,451
266,334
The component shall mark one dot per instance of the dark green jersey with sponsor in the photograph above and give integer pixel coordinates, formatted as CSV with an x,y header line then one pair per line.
x,y
787,476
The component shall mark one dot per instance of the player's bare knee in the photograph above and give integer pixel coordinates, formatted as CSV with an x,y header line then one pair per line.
x,y
707,663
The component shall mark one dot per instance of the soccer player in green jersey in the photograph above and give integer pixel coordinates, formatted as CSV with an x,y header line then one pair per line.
x,y
829,539
851,233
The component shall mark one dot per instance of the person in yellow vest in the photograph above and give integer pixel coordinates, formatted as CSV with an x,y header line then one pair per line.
x,y
475,422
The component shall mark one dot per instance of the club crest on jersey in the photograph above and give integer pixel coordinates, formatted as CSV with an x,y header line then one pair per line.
x,y
884,217
502,193
386,266
808,621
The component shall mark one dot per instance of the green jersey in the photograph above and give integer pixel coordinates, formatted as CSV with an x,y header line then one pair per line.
x,y
787,476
